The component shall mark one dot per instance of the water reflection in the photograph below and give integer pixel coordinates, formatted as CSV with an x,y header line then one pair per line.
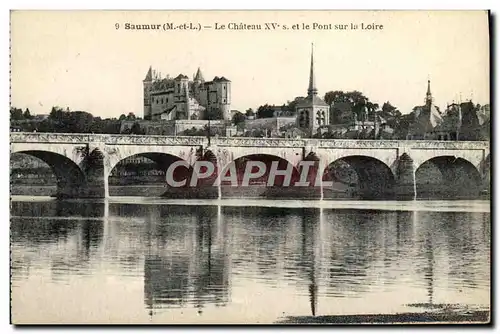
x,y
194,270
212,257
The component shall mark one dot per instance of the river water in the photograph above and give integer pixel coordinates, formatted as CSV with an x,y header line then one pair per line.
x,y
137,260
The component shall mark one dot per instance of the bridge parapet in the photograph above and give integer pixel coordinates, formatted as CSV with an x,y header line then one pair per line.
x,y
111,139
93,156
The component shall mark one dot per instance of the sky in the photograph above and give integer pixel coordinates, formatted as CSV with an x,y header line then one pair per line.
x,y
78,59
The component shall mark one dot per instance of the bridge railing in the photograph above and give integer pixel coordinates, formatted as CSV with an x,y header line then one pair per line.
x,y
118,139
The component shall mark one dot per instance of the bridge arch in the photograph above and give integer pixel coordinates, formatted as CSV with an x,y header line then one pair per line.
x,y
119,153
447,177
70,178
358,176
235,179
145,174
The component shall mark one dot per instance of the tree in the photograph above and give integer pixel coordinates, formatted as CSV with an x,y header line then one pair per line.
x,y
136,129
122,117
265,111
16,114
290,106
337,96
250,112
238,118
78,122
391,114
130,116
360,105
56,113
27,114
404,122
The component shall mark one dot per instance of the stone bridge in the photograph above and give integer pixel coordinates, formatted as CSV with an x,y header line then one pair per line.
x,y
83,162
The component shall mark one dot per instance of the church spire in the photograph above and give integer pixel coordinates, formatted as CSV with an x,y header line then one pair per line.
x,y
312,80
428,95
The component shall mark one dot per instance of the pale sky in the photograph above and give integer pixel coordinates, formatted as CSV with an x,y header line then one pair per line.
x,y
78,59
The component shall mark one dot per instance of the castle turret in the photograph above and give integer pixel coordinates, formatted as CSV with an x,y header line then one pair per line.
x,y
198,83
147,85
198,78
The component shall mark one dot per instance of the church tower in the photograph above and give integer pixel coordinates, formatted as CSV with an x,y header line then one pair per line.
x,y
147,85
312,112
428,95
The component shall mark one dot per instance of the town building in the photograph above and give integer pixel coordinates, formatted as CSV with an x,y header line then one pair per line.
x,y
182,99
312,112
426,120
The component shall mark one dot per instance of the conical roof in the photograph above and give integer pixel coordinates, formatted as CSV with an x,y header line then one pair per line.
x,y
199,76
149,75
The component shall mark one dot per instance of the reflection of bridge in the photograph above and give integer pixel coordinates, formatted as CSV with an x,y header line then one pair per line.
x,y
199,256
83,162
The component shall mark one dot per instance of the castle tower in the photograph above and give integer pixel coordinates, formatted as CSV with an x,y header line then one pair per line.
x,y
181,86
224,98
312,112
147,85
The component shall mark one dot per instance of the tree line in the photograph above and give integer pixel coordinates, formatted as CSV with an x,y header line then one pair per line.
x,y
66,121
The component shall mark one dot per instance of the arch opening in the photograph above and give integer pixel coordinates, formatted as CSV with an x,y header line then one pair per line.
x,y
145,174
259,175
43,173
447,177
360,177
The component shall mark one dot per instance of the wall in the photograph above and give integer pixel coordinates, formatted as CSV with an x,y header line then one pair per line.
x,y
169,128
273,124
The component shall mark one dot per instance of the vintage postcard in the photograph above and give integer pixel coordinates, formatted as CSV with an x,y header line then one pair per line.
x,y
250,167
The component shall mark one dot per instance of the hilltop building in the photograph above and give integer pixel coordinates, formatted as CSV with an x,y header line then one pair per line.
x,y
183,99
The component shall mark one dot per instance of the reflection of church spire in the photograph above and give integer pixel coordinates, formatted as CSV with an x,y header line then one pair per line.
x,y
429,274
313,289
309,256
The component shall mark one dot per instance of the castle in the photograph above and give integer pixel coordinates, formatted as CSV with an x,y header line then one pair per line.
x,y
182,99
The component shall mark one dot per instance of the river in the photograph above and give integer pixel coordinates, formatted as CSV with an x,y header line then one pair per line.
x,y
140,260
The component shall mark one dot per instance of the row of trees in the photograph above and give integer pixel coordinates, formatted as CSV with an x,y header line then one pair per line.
x,y
67,121
17,114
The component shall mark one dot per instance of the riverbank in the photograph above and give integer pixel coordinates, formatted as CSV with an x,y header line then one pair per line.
x,y
473,317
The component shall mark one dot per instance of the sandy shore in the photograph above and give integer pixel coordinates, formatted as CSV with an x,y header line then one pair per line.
x,y
473,317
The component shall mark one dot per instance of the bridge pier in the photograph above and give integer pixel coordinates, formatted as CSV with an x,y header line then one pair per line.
x,y
405,186
92,188
92,182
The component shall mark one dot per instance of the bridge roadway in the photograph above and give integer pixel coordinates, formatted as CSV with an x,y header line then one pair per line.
x,y
83,162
